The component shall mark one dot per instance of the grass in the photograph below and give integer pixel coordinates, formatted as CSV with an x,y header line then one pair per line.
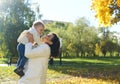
x,y
3,60
74,71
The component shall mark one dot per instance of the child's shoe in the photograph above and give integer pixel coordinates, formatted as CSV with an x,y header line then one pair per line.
x,y
19,71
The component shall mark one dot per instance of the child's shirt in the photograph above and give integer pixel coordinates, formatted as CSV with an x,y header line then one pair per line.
x,y
23,38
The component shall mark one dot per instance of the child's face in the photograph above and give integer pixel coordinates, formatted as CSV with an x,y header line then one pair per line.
x,y
39,29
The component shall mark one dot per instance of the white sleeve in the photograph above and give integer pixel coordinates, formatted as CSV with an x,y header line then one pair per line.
x,y
31,30
35,52
22,37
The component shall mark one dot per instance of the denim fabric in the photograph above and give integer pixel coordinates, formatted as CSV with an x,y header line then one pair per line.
x,y
21,53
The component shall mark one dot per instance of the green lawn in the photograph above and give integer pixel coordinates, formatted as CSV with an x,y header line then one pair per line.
x,y
75,71
3,60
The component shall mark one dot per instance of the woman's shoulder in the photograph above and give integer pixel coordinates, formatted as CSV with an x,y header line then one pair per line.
x,y
45,48
45,45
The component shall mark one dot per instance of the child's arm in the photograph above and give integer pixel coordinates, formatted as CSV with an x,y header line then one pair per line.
x,y
22,37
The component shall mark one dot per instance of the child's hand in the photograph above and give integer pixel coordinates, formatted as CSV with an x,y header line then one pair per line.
x,y
34,45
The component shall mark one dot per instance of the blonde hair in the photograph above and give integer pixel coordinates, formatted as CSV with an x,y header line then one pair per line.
x,y
38,22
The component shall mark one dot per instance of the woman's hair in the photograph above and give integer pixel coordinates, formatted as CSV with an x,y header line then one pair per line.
x,y
55,46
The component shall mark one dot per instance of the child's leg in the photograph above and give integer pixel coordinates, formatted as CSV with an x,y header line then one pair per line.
x,y
22,59
22,62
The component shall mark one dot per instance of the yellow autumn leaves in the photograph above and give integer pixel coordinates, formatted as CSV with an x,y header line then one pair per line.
x,y
103,11
118,2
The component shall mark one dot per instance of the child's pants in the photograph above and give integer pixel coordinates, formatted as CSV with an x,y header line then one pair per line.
x,y
21,53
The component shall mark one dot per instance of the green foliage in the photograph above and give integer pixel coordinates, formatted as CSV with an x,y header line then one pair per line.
x,y
79,39
3,60
15,17
82,37
108,43
82,40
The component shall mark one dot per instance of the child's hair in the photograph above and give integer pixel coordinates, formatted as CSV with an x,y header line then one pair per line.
x,y
38,22
55,46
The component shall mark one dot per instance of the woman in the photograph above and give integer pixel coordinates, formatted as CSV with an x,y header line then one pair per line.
x,y
36,68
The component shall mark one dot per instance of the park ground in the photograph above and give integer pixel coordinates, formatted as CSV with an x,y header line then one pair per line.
x,y
74,71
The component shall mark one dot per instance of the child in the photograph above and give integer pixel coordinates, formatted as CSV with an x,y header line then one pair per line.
x,y
36,31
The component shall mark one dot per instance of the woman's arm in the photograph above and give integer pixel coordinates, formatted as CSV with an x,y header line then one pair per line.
x,y
39,51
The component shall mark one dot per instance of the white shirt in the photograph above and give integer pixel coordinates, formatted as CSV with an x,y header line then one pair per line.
x,y
23,38
36,67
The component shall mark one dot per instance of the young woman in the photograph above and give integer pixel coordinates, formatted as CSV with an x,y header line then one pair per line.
x,y
36,67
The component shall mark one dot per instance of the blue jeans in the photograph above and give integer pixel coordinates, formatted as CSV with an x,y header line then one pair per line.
x,y
21,53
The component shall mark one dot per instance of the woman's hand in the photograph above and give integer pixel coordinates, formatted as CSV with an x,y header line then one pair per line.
x,y
30,37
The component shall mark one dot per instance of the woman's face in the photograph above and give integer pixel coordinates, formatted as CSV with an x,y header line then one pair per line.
x,y
47,38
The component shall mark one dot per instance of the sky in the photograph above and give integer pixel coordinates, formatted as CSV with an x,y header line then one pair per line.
x,y
69,11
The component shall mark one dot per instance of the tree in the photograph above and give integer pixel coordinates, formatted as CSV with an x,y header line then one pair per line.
x,y
82,38
97,49
104,47
16,16
106,11
90,39
78,39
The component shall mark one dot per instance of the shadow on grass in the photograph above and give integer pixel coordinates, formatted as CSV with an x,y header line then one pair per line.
x,y
88,69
